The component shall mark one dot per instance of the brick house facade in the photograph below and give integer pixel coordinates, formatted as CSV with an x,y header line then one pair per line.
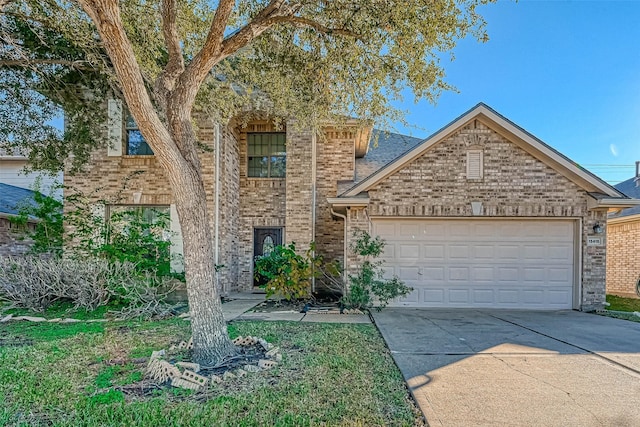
x,y
335,183
623,235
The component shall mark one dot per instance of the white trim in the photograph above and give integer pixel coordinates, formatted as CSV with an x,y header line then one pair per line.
x,y
606,202
114,127
544,153
348,201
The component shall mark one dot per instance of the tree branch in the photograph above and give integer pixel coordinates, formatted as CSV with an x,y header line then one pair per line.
x,y
105,14
170,32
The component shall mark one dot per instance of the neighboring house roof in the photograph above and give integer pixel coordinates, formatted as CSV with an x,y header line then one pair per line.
x,y
12,197
384,147
631,189
516,135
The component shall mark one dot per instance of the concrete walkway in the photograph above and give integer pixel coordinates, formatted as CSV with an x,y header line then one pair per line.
x,y
517,368
238,306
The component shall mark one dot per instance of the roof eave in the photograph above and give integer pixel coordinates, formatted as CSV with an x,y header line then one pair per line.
x,y
623,219
614,203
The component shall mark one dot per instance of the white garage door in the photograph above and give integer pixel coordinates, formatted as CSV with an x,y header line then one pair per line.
x,y
481,263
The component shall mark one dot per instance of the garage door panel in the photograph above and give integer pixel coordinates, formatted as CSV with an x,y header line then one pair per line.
x,y
432,296
434,252
483,252
559,297
431,274
459,252
560,253
535,274
458,274
483,296
459,296
487,263
409,251
482,274
508,252
561,275
508,297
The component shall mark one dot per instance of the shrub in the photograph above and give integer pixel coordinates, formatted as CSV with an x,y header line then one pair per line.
x,y
35,283
368,285
286,272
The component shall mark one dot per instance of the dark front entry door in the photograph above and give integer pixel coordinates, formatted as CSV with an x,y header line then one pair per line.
x,y
264,240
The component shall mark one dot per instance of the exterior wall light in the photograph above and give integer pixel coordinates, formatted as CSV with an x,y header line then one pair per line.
x,y
598,228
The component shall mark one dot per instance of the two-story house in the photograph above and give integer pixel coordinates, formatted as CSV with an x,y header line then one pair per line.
x,y
480,214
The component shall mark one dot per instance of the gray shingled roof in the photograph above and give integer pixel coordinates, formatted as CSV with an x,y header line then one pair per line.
x,y
11,197
629,188
389,147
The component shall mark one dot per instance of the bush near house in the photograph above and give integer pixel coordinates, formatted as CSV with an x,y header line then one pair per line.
x,y
123,261
288,274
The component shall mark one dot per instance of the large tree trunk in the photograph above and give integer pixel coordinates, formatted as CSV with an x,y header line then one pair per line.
x,y
210,338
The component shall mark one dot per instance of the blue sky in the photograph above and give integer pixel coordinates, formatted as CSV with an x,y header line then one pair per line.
x,y
566,71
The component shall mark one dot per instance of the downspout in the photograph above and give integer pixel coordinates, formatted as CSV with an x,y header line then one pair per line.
x,y
313,199
217,211
344,246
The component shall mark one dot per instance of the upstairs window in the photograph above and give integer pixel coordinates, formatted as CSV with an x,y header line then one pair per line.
x,y
266,155
136,145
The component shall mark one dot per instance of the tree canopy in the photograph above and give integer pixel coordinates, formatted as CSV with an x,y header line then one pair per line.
x,y
314,61
307,60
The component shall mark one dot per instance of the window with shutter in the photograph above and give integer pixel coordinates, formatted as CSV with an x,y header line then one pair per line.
x,y
474,164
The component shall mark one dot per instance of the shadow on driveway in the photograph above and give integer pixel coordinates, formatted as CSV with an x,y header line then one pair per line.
x,y
517,368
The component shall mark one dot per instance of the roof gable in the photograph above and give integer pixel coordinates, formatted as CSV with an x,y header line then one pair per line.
x,y
511,132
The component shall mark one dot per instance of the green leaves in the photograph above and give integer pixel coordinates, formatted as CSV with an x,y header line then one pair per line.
x,y
369,286
288,274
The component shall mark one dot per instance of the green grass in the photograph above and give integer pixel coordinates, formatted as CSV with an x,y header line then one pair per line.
x,y
64,309
623,304
71,375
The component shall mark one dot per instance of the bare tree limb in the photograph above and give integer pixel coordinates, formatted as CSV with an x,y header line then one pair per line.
x,y
172,40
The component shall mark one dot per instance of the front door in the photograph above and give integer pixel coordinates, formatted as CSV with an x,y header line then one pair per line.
x,y
264,240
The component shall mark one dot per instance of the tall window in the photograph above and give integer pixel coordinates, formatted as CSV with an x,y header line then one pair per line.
x,y
267,155
136,145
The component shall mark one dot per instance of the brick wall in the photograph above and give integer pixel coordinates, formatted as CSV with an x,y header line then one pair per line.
x,y
12,239
262,203
623,262
299,193
335,162
515,184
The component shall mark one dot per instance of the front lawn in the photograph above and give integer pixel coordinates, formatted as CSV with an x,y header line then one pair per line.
x,y
89,374
623,304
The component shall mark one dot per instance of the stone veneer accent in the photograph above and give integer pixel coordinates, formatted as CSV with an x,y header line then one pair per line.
x,y
623,264
515,184
12,239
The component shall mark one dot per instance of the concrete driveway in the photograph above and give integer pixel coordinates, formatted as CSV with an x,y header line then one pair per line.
x,y
517,368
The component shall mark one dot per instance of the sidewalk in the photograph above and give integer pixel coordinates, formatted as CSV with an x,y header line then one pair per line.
x,y
239,305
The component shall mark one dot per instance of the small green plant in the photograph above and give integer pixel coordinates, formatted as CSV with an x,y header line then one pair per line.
x,y
286,272
368,285
48,231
